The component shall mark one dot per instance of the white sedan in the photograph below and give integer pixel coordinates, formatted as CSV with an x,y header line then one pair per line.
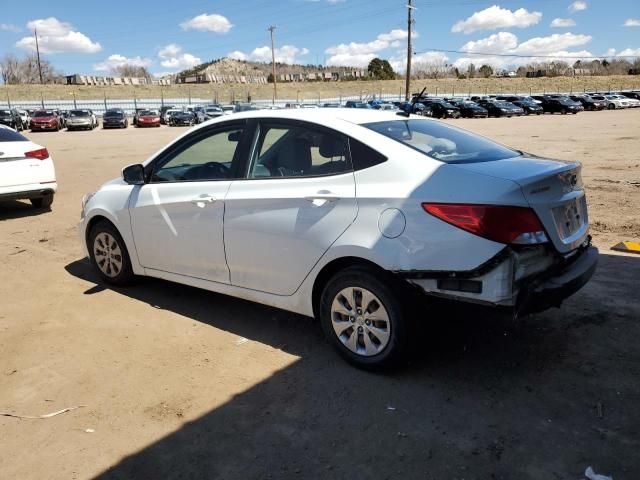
x,y
26,170
344,214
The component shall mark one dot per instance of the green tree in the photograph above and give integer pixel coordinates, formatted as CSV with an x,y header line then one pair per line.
x,y
486,71
381,69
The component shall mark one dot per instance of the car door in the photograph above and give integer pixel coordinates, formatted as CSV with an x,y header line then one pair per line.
x,y
177,217
297,198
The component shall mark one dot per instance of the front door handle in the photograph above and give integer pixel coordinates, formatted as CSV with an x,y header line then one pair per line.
x,y
202,200
326,197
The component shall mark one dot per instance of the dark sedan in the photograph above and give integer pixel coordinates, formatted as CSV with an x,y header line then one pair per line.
x,y
562,105
469,109
501,109
182,118
115,118
442,109
589,103
11,118
529,107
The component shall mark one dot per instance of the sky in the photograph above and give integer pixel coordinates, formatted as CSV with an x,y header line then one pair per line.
x,y
167,37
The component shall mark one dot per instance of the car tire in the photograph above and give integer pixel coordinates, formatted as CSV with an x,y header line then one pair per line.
x,y
370,342
109,255
42,202
611,106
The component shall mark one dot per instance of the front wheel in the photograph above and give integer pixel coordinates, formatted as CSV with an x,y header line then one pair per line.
x,y
109,255
362,316
611,106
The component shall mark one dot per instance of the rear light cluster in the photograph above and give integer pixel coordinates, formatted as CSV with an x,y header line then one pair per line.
x,y
502,224
40,154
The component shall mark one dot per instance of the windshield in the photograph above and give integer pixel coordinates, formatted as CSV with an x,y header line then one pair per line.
x,y
113,113
78,113
441,141
5,112
148,113
43,113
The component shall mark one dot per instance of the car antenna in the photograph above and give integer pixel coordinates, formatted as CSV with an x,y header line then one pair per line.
x,y
404,113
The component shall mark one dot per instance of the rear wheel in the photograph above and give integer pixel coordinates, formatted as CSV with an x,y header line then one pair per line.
x,y
109,254
611,106
42,202
362,316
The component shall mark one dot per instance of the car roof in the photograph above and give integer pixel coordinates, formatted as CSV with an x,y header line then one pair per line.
x,y
322,115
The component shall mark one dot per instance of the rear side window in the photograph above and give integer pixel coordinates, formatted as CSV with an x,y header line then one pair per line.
x,y
364,157
9,135
442,142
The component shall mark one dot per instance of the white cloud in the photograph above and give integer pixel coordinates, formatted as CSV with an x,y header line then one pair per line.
x,y
632,22
9,27
173,58
554,46
399,63
55,36
562,22
356,54
286,54
500,42
552,43
627,52
577,6
208,23
496,17
115,61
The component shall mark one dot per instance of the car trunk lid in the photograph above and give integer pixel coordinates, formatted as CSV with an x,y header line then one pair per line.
x,y
16,169
554,190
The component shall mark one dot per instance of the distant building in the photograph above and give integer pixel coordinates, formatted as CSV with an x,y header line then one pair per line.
x,y
77,79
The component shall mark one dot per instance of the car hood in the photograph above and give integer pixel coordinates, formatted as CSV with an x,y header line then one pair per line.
x,y
43,119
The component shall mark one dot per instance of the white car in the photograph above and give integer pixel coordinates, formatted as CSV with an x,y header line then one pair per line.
x,y
26,170
616,101
24,115
343,214
632,102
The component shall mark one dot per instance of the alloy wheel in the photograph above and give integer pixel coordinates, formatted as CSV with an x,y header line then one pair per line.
x,y
107,254
360,321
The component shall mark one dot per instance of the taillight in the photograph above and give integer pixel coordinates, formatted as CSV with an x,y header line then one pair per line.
x,y
503,224
40,154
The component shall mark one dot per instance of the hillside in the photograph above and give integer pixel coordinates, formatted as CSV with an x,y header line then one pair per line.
x,y
311,91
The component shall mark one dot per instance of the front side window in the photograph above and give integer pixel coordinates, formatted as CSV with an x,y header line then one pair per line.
x,y
297,151
208,158
442,142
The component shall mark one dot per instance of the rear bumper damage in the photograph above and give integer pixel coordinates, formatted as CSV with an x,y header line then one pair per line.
x,y
523,280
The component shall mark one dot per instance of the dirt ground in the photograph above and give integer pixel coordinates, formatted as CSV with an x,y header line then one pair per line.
x,y
181,383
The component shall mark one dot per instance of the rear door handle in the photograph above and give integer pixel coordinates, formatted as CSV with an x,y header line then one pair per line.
x,y
202,200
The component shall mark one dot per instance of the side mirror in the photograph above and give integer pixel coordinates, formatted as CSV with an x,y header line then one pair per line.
x,y
133,174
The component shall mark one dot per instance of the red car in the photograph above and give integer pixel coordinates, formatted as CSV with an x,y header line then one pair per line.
x,y
148,118
45,120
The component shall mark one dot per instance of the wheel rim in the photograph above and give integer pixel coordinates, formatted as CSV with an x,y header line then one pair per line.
x,y
107,254
360,321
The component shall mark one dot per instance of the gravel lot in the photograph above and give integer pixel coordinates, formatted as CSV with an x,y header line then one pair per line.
x,y
172,389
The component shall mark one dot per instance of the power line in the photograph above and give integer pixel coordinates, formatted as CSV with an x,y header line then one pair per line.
x,y
488,54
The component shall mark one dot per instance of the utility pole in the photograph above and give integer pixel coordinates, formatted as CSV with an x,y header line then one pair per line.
x,y
273,64
35,32
407,85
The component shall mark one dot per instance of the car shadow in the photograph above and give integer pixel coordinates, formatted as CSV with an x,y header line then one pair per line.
x,y
18,209
484,396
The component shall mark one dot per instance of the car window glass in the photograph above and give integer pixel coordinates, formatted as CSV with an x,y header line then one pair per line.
x,y
9,135
209,158
297,151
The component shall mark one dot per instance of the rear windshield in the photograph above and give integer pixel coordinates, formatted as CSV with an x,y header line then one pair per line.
x,y
9,135
43,113
442,142
78,113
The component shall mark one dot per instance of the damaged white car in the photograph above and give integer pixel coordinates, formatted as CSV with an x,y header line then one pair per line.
x,y
338,213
